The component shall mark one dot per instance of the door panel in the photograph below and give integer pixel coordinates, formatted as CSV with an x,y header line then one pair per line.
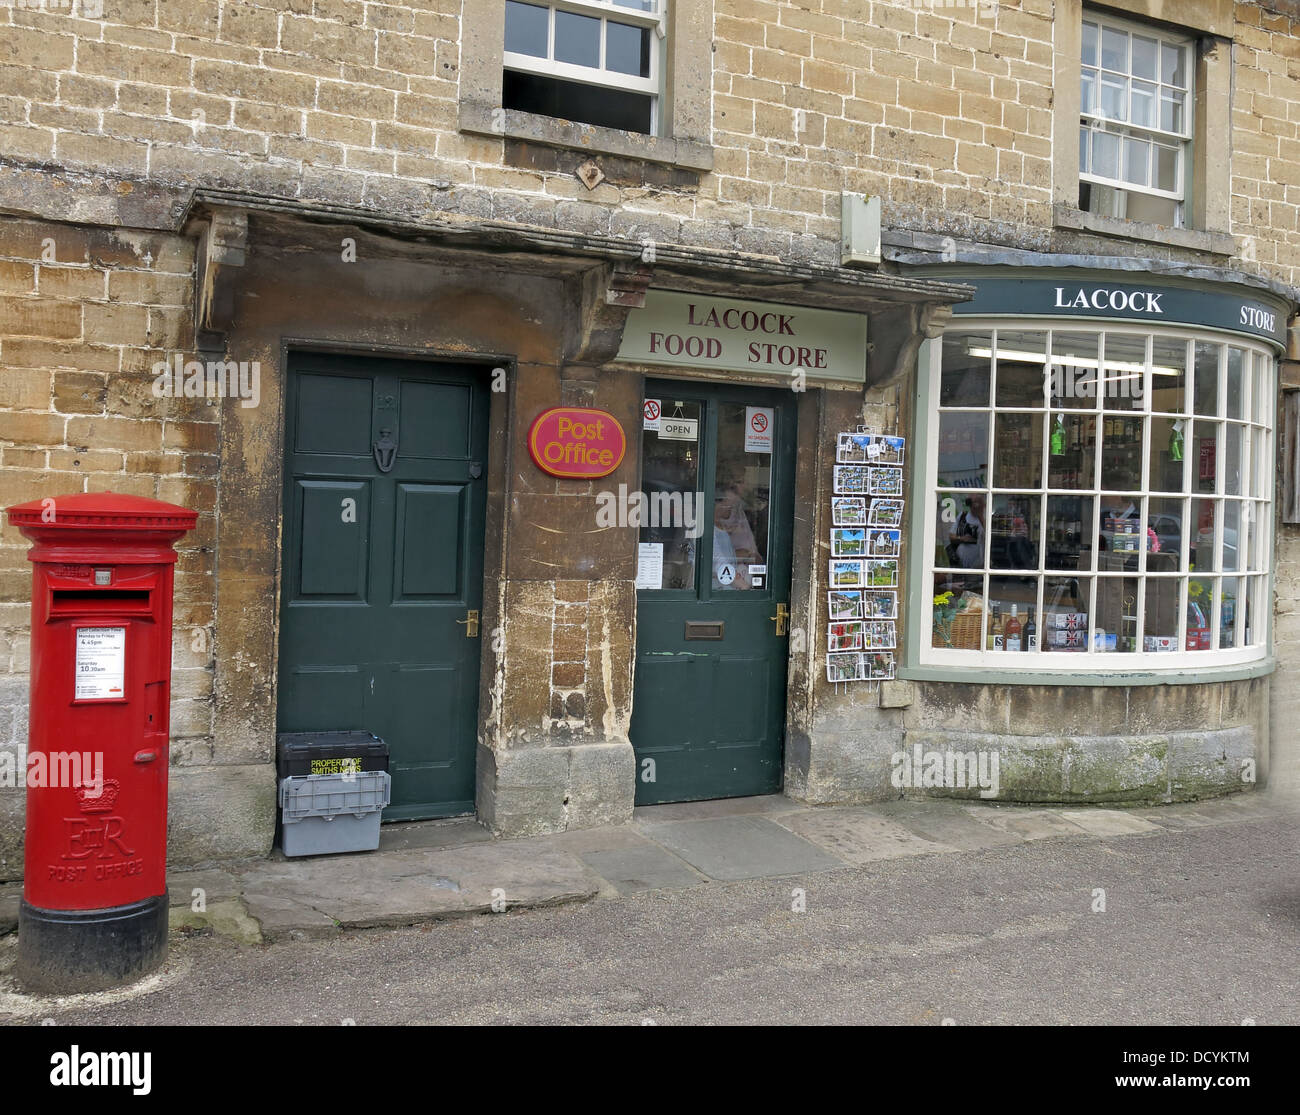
x,y
710,712
380,568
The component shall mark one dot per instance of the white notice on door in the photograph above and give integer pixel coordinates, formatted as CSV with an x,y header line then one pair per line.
x,y
758,429
101,664
650,565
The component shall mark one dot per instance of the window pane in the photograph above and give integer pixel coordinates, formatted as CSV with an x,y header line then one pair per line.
x,y
1137,161
1164,535
963,450
1071,529
1167,454
1124,376
1073,372
1088,91
741,494
572,100
1114,98
1071,445
1200,608
1145,53
1084,166
961,537
1014,532
1235,394
627,49
1066,603
1173,70
1168,375
1105,154
1018,597
577,39
954,625
1171,111
1205,397
637,5
671,468
1115,613
1114,49
1167,168
1204,443
526,28
1262,387
1160,631
1256,551
1230,591
1201,553
1234,460
1121,453
1089,51
1018,450
965,376
1143,110
1022,360
1232,558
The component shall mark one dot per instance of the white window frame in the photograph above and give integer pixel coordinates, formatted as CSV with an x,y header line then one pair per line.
x,y
1259,382
1094,121
605,11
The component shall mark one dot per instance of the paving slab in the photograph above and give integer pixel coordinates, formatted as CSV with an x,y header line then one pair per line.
x,y
722,807
9,899
745,847
407,835
404,888
1027,824
944,823
649,867
857,835
607,838
1108,822
215,884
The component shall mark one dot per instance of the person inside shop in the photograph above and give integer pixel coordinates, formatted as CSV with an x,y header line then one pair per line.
x,y
968,535
734,545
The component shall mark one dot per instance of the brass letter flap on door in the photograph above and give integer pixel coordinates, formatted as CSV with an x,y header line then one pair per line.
x,y
704,629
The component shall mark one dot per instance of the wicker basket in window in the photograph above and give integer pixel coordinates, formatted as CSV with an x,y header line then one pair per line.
x,y
966,630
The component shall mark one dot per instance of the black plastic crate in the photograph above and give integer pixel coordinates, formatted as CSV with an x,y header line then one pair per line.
x,y
304,753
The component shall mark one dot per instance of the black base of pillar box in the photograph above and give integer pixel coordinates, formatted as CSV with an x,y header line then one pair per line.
x,y
66,951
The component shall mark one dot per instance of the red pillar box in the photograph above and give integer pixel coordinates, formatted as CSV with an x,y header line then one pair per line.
x,y
94,908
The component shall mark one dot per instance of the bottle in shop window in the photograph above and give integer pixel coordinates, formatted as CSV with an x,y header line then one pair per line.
x,y
995,629
1031,633
1011,633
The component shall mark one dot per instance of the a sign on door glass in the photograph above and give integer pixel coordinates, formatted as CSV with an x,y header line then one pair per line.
x,y
100,664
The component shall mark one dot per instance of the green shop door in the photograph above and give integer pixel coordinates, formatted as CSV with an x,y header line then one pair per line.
x,y
385,481
713,591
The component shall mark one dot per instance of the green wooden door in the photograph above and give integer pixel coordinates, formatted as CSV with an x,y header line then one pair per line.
x,y
381,568
713,570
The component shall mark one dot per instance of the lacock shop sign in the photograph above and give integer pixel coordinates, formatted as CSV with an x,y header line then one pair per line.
x,y
695,331
1257,313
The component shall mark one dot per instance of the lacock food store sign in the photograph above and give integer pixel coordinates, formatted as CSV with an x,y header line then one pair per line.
x,y
695,331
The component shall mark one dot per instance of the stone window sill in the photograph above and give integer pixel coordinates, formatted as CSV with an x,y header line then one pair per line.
x,y
1237,671
688,154
1215,243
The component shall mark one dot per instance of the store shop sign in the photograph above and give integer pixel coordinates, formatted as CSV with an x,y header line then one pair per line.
x,y
1255,314
576,442
724,334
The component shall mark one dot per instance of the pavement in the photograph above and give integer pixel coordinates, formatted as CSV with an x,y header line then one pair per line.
x,y
435,870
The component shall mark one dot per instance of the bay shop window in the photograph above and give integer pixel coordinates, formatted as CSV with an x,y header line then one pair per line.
x,y
1097,497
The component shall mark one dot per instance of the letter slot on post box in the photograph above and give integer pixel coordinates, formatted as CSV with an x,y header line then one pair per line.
x,y
94,907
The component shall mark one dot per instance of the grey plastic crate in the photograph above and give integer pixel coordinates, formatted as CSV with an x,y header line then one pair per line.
x,y
325,813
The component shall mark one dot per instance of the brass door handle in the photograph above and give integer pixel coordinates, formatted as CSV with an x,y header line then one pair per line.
x,y
782,618
471,623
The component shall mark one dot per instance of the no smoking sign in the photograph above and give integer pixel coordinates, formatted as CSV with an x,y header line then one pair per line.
x,y
650,415
758,429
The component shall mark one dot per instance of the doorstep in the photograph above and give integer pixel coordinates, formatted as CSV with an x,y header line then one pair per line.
x,y
431,870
